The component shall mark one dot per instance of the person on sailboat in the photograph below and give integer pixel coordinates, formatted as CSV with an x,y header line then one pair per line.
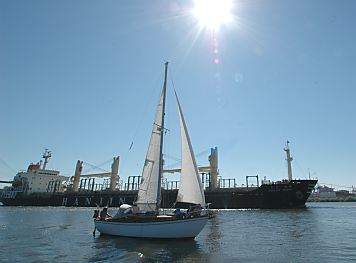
x,y
96,214
194,211
135,209
104,214
178,214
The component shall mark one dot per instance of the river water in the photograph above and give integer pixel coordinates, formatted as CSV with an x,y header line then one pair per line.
x,y
323,232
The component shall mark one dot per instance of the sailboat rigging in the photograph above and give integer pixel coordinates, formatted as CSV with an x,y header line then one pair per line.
x,y
143,218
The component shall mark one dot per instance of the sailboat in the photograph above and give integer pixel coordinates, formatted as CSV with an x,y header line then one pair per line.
x,y
143,219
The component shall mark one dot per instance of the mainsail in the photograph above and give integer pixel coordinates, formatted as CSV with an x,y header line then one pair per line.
x,y
149,192
190,187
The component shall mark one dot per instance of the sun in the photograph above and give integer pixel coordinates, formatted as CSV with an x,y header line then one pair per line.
x,y
212,14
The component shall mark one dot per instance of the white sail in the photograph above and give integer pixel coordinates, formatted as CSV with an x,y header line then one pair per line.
x,y
190,187
148,198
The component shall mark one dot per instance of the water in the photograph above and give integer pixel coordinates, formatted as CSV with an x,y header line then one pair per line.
x,y
324,232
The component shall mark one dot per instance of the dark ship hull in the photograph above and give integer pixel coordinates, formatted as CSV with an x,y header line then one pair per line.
x,y
286,194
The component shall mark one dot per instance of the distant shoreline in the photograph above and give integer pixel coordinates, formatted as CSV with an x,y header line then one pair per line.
x,y
334,199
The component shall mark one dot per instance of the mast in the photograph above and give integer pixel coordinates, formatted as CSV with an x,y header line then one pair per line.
x,y
160,169
289,161
149,192
46,156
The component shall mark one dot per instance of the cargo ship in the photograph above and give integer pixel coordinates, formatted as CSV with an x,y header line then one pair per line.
x,y
39,186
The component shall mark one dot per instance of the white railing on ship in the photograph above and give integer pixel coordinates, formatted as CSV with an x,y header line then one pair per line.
x,y
9,194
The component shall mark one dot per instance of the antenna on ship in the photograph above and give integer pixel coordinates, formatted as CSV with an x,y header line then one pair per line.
x,y
289,161
47,154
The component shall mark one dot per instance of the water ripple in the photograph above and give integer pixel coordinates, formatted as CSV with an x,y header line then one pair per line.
x,y
323,232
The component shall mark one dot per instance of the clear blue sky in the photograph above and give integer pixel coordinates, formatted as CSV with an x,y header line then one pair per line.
x,y
82,78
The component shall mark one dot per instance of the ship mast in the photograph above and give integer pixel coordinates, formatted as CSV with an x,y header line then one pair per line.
x,y
289,161
47,154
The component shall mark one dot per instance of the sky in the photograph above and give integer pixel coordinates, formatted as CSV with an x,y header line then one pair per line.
x,y
82,78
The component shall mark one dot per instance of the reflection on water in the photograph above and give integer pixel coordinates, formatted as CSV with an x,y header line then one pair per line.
x,y
320,233
213,229
147,250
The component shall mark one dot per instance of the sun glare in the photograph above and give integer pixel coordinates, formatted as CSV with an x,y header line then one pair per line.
x,y
213,13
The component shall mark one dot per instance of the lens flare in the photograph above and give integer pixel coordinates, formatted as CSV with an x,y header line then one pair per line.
x,y
212,14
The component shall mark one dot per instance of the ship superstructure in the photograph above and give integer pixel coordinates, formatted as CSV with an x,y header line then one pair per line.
x,y
37,179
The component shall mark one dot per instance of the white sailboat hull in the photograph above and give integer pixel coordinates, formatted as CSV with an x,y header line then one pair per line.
x,y
180,228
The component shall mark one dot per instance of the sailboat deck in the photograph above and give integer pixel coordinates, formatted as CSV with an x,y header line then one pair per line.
x,y
148,218
142,218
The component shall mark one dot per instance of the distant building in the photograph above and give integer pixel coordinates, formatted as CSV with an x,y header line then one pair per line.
x,y
325,192
343,193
